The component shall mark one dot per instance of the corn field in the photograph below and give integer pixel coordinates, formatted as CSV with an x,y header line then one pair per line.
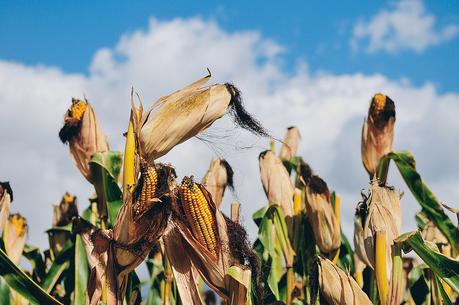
x,y
142,213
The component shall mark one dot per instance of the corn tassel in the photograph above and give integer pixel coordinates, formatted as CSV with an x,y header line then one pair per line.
x,y
380,267
199,214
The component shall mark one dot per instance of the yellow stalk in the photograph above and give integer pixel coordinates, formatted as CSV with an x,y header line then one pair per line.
x,y
290,284
167,299
129,159
381,267
445,251
297,206
359,278
338,218
104,292
272,146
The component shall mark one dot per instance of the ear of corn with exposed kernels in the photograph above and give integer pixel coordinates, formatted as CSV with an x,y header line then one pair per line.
x,y
199,214
147,187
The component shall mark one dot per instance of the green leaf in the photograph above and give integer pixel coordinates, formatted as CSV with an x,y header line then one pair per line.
x,y
22,283
4,292
105,169
444,267
133,289
59,265
407,166
81,272
444,296
35,258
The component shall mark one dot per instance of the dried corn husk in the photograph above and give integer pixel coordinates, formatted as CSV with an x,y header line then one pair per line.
x,y
14,236
325,225
383,214
189,259
276,182
432,234
63,215
6,197
97,247
183,114
377,132
359,244
84,134
218,176
339,288
290,144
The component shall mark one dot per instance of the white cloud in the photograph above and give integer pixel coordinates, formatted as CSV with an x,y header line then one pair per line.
x,y
406,26
328,109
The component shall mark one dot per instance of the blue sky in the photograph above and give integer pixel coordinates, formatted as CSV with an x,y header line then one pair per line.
x,y
310,64
67,34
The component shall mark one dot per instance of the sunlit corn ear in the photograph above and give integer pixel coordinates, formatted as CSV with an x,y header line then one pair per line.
x,y
325,225
377,132
184,114
337,287
199,213
383,215
218,177
62,216
202,241
6,197
276,181
290,144
14,236
84,134
142,219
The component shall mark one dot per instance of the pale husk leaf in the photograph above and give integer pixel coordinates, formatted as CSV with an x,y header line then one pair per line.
x,y
289,147
359,244
5,202
182,115
216,180
339,288
322,218
15,236
91,139
96,245
384,215
276,182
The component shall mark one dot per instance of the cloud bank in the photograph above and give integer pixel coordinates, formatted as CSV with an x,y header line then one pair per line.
x,y
328,109
407,25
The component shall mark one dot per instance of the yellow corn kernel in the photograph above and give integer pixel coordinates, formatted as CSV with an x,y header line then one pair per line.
x,y
19,224
68,197
379,102
199,214
77,109
148,184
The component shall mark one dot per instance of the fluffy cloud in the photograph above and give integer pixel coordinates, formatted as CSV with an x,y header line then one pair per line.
x,y
406,26
328,109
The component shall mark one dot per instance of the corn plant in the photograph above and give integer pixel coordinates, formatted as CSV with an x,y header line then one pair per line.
x,y
139,213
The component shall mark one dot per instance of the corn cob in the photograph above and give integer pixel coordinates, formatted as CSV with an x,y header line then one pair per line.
x,y
147,187
199,214
77,109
